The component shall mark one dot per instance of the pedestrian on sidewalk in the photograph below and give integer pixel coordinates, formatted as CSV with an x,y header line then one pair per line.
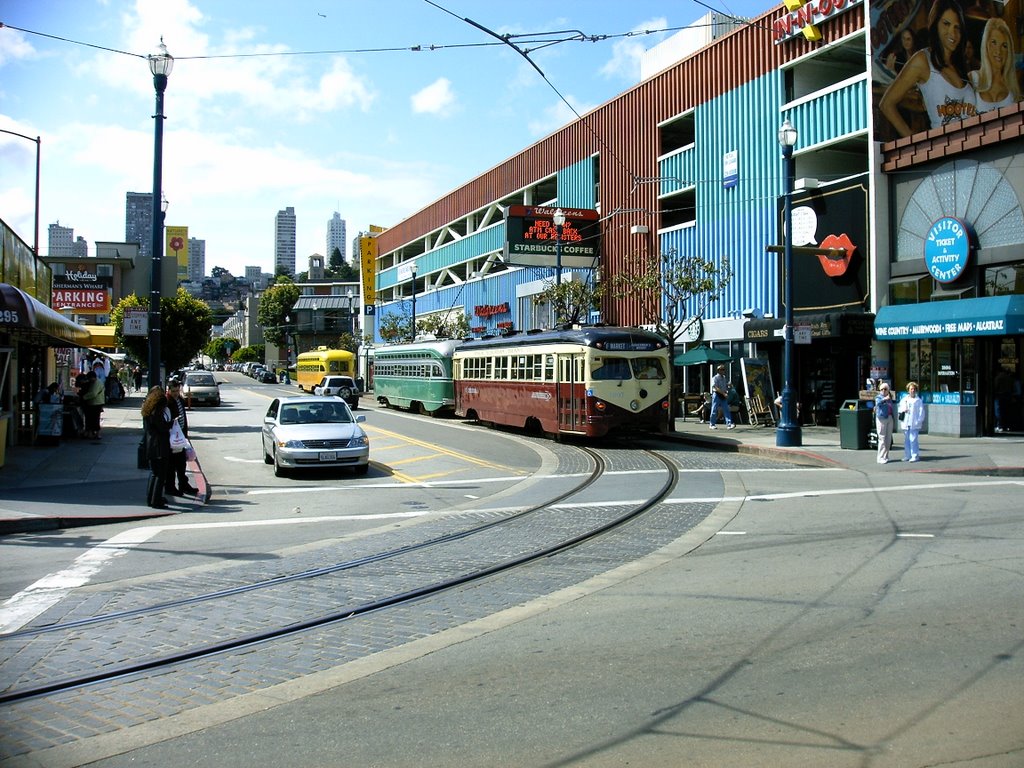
x,y
911,414
178,460
883,422
156,417
720,399
93,400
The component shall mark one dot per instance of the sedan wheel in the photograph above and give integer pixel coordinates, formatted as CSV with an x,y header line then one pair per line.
x,y
361,469
279,471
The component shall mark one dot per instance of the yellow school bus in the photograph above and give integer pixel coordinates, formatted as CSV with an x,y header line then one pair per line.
x,y
312,366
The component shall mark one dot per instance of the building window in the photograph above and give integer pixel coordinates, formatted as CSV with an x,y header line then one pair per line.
x,y
1008,279
678,209
911,291
678,133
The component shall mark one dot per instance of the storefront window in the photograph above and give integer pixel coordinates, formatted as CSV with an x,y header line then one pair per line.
x,y
940,366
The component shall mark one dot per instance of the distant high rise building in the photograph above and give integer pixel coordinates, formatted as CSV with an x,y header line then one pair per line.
x,y
80,250
61,240
256,277
138,221
284,241
196,259
336,236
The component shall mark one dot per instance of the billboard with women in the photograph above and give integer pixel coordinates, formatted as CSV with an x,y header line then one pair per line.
x,y
938,61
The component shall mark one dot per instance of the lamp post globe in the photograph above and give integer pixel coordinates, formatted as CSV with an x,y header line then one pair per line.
x,y
160,65
788,433
558,219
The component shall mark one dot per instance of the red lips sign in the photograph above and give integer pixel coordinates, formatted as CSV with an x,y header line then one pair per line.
x,y
836,265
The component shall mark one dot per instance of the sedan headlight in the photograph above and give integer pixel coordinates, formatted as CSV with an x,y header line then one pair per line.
x,y
360,440
292,444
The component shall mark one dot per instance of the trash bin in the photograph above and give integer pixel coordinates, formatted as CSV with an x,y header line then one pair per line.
x,y
855,419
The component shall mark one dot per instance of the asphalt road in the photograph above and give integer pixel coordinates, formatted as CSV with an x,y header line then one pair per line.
x,y
818,618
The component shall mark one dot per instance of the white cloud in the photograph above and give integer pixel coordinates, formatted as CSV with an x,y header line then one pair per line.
x,y
626,53
435,99
14,46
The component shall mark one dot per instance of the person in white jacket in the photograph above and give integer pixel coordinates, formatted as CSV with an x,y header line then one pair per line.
x,y
911,415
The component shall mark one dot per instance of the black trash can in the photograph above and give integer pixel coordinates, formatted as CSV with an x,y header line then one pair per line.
x,y
855,425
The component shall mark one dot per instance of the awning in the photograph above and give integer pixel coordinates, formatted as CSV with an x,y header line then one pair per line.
x,y
327,302
823,326
31,321
102,336
989,316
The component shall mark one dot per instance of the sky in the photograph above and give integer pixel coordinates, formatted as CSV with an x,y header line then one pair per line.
x,y
371,108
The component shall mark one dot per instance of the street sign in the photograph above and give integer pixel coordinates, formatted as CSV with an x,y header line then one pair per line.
x,y
136,323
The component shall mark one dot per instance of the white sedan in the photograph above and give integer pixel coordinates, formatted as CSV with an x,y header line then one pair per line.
x,y
309,432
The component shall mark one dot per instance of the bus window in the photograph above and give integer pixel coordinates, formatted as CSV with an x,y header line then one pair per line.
x,y
648,368
609,369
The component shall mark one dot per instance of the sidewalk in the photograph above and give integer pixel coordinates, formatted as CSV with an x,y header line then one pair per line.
x,y
996,455
91,482
80,481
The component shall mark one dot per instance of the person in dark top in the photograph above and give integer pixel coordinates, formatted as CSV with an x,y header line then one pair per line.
x,y
178,459
156,418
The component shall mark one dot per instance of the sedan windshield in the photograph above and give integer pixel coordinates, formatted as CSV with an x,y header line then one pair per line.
x,y
200,380
315,413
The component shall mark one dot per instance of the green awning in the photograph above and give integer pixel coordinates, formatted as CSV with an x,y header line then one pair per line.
x,y
989,316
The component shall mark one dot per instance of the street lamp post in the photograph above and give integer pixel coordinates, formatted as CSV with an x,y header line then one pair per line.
x,y
412,270
559,221
788,433
160,64
313,316
351,317
39,143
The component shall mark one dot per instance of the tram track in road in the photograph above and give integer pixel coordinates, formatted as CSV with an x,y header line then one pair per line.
x,y
164,634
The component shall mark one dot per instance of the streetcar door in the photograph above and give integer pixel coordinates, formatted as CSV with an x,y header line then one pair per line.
x,y
571,414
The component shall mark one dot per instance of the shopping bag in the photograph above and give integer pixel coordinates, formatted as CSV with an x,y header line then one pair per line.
x,y
178,439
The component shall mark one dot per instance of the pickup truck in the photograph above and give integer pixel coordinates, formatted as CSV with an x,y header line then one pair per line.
x,y
339,386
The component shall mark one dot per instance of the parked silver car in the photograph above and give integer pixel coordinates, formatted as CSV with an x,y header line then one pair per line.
x,y
308,432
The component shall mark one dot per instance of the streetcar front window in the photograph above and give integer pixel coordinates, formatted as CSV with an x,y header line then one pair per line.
x,y
610,369
648,368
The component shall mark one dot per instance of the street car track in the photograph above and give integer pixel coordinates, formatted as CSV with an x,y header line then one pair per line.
x,y
558,532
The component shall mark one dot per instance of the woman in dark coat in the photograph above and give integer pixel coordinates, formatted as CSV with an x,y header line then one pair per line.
x,y
156,418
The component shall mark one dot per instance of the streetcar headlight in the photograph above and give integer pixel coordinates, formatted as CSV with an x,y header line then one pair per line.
x,y
600,405
634,405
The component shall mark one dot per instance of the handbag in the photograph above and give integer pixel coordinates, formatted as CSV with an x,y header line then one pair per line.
x,y
178,439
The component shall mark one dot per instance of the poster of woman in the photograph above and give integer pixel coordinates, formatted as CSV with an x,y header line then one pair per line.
x,y
935,63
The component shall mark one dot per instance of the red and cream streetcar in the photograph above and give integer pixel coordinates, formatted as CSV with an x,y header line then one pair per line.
x,y
579,381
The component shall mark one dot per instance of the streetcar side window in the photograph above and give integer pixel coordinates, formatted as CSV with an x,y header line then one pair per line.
x,y
648,368
609,369
549,367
